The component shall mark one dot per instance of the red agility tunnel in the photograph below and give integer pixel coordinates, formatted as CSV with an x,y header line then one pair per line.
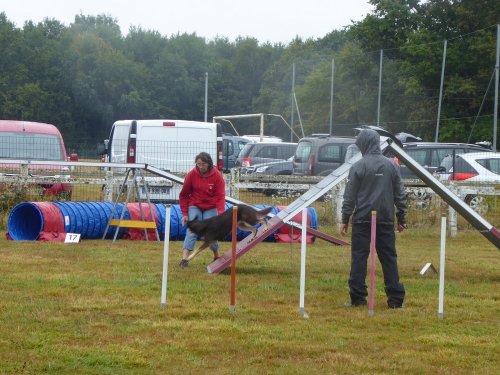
x,y
31,220
289,234
135,214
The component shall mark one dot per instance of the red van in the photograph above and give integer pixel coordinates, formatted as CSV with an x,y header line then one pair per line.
x,y
25,140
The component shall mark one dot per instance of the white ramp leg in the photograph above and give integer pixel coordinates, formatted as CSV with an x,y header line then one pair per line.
x,y
303,264
453,221
441,267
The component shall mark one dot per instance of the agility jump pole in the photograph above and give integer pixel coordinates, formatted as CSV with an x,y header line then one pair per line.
x,y
232,305
441,268
373,240
303,248
166,244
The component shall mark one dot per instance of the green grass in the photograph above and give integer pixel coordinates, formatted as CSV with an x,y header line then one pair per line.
x,y
94,308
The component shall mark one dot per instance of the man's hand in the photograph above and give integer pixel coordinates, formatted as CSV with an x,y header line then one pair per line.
x,y
184,220
402,227
343,228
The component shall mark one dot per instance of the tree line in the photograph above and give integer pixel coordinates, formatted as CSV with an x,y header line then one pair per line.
x,y
84,76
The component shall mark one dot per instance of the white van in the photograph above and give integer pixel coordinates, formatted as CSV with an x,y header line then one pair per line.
x,y
171,145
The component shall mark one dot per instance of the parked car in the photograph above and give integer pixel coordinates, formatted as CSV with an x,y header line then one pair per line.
x,y
319,155
430,154
472,167
25,140
263,152
275,168
264,138
232,146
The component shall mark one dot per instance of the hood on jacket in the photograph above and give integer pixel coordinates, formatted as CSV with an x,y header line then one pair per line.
x,y
368,142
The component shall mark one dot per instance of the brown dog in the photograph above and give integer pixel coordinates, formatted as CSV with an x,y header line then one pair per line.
x,y
218,227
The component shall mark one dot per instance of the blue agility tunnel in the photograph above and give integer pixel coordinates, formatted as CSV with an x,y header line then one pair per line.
x,y
27,221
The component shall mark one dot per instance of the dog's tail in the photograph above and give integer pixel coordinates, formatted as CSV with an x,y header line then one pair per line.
x,y
263,213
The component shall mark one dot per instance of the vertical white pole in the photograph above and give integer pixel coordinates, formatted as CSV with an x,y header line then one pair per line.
x,y
441,267
303,263
495,107
379,85
293,102
262,127
166,244
206,95
331,97
436,138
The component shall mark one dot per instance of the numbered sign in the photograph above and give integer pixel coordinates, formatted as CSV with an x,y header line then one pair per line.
x,y
72,238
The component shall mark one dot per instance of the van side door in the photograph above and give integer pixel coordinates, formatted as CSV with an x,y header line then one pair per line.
x,y
229,154
118,141
329,158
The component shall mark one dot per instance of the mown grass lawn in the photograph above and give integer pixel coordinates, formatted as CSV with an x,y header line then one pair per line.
x,y
94,308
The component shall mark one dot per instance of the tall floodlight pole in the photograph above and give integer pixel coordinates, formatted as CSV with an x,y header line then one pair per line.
x,y
436,139
206,95
293,101
495,112
331,97
379,85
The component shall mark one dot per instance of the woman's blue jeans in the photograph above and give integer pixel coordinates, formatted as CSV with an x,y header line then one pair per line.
x,y
194,213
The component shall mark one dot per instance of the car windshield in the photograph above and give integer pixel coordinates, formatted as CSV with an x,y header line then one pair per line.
x,y
30,146
247,149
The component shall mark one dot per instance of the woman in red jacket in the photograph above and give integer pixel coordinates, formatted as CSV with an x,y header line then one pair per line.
x,y
203,195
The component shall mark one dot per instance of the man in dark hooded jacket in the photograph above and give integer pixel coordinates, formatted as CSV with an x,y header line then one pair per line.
x,y
374,184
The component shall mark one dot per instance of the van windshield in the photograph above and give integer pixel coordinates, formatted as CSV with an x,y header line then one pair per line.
x,y
303,152
30,146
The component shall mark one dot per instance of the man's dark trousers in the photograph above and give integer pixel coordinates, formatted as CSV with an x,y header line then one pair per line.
x,y
386,252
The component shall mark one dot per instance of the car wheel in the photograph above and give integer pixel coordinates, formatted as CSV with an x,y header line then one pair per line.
x,y
477,203
270,192
420,198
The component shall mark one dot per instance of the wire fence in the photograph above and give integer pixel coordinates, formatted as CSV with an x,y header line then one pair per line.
x,y
32,182
440,90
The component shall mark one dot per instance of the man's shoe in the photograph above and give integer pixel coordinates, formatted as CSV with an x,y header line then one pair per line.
x,y
184,263
392,306
354,304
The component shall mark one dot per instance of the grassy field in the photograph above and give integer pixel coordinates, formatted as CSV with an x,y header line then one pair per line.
x,y
94,308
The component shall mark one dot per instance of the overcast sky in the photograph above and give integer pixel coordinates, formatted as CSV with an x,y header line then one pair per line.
x,y
266,20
